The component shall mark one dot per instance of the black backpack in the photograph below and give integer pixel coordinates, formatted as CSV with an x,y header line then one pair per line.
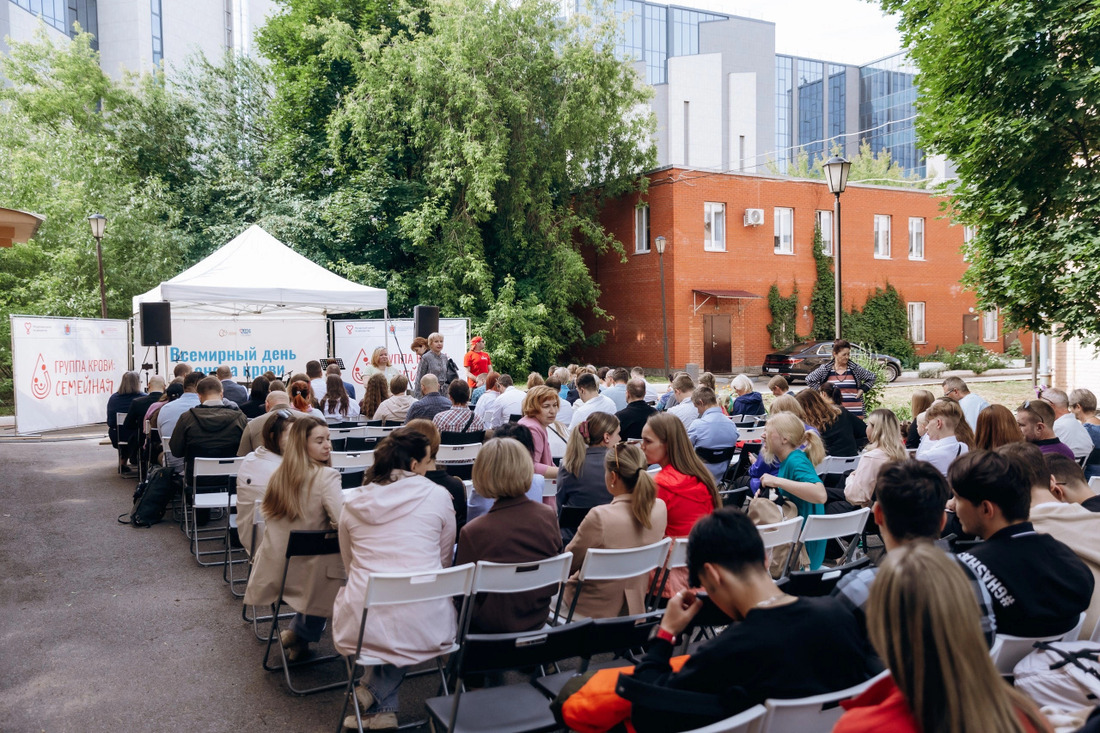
x,y
151,498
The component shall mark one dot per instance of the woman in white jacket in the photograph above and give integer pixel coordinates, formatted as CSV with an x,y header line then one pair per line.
x,y
303,494
884,445
256,470
398,522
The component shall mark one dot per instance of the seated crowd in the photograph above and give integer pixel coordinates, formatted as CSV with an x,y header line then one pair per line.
x,y
987,521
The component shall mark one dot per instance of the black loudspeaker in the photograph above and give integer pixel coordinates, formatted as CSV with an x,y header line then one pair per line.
x,y
156,324
425,320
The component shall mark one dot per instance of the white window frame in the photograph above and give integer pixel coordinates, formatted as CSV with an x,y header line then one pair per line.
x,y
916,237
783,243
641,230
712,243
826,230
879,220
990,325
913,308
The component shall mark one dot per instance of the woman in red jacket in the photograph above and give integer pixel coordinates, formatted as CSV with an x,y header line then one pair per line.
x,y
684,483
923,621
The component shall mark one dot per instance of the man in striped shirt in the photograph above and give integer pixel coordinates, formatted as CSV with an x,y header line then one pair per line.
x,y
850,378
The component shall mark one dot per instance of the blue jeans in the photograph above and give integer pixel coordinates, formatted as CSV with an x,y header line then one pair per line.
x,y
308,628
383,683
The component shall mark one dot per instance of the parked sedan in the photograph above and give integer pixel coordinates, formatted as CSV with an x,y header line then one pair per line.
x,y
795,362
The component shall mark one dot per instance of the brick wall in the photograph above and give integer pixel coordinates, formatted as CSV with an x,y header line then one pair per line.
x,y
631,293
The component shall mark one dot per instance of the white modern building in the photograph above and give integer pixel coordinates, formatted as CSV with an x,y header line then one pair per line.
x,y
139,35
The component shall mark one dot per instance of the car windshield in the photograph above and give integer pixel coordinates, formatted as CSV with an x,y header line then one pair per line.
x,y
798,348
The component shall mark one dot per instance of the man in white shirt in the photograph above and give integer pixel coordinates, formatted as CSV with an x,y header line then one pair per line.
x,y
971,404
940,446
682,390
510,401
316,379
1066,427
591,400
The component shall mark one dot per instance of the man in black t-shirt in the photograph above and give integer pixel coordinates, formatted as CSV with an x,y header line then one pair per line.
x,y
783,647
1039,586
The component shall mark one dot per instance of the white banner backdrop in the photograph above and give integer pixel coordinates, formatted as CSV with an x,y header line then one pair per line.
x,y
357,340
65,369
247,345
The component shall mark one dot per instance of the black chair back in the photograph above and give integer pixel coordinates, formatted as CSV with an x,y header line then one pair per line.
x,y
495,652
621,634
821,582
572,516
312,542
454,437
715,455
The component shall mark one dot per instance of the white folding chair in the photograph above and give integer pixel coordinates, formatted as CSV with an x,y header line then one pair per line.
x,y
833,527
378,431
457,455
816,713
495,577
616,565
1014,648
837,465
549,487
677,558
226,468
1094,484
743,722
395,589
750,435
360,460
780,534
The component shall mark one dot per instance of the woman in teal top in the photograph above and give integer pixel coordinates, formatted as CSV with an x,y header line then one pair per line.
x,y
797,479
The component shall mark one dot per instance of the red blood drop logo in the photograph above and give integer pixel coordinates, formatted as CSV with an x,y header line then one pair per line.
x,y
360,367
350,328
40,379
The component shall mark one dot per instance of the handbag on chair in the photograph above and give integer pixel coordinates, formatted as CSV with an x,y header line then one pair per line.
x,y
764,510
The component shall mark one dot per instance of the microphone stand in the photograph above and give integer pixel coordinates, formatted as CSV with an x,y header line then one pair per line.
x,y
396,343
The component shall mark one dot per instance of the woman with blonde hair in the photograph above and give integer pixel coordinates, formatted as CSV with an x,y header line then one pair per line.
x,y
921,400
302,494
884,446
380,364
540,408
635,517
432,361
797,479
767,463
996,426
256,471
788,403
923,622
581,478
375,392
398,522
515,529
841,431
534,379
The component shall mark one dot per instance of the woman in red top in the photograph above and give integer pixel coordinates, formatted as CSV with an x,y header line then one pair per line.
x,y
476,361
923,622
684,483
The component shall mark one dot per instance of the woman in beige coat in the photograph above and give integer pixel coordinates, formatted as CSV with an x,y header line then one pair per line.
x,y
635,517
303,494
256,471
398,522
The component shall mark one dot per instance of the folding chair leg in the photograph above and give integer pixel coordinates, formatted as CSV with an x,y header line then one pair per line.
x,y
275,637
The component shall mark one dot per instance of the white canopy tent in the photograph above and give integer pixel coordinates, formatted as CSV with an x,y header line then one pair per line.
x,y
257,274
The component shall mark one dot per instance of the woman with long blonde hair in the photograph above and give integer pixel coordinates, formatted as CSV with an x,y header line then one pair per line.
x,y
884,446
766,462
923,621
634,518
797,479
580,479
921,400
302,494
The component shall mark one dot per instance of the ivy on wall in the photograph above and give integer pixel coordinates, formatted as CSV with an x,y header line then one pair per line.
x,y
784,312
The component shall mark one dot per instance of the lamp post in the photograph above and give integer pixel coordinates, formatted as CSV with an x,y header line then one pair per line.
x,y
98,223
836,176
661,243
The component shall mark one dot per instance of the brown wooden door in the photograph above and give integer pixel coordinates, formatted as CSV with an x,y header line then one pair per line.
x,y
971,323
716,344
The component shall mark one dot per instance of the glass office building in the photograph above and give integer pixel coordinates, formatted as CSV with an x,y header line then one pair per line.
x,y
61,14
888,110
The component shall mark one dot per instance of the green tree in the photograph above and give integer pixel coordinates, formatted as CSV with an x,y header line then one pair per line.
x,y
882,325
1008,91
503,129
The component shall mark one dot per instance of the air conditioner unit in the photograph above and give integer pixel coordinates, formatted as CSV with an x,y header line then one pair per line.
x,y
754,217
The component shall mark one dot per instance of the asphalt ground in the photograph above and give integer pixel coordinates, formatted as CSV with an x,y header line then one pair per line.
x,y
108,627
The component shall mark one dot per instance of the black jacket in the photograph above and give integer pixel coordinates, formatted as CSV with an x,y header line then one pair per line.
x,y
633,418
207,431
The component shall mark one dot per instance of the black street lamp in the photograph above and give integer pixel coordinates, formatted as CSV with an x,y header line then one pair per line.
x,y
661,243
98,223
836,176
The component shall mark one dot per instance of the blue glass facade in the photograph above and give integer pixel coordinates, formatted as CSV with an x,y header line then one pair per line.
x,y
811,108
887,111
838,98
61,14
784,111
157,24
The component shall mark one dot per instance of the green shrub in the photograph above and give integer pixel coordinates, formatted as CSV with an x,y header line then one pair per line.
x,y
904,413
972,357
873,398
1015,350
882,326
931,373
784,323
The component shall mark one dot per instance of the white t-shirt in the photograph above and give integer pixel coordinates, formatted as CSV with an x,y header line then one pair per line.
x,y
971,405
582,409
941,453
1073,434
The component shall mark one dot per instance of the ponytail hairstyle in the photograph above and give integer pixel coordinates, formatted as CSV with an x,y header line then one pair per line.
x,y
589,432
792,428
670,430
396,452
294,477
628,463
301,395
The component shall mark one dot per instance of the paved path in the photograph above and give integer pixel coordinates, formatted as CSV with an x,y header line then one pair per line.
x,y
107,627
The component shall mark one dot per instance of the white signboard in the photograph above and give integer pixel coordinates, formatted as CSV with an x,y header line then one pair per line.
x,y
356,341
65,369
248,345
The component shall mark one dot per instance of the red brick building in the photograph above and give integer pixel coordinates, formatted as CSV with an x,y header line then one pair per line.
x,y
730,237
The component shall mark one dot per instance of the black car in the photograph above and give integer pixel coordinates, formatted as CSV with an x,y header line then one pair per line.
x,y
795,362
